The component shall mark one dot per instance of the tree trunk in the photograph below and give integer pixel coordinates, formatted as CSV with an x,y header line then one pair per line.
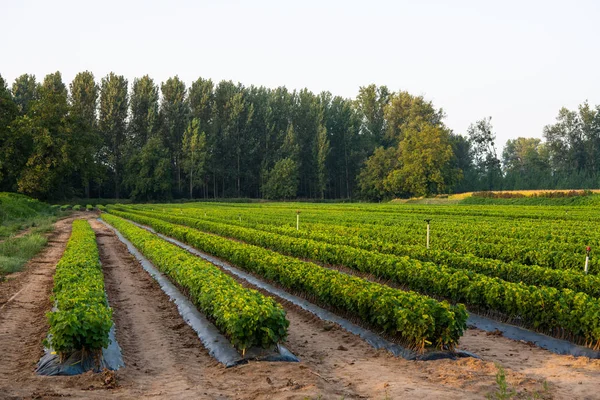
x,y
116,184
178,175
192,177
347,175
238,174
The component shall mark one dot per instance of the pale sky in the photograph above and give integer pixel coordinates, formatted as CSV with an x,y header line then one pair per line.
x,y
517,61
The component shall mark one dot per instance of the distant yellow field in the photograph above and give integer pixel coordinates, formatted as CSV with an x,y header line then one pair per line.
x,y
453,198
460,196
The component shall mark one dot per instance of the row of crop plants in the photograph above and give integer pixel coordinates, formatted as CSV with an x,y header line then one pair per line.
x,y
543,308
417,320
548,249
566,234
245,316
508,271
82,318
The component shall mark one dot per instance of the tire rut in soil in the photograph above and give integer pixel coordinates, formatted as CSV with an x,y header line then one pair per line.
x,y
23,323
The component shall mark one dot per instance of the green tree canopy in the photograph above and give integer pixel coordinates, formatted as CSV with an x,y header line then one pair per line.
x,y
282,180
50,161
425,163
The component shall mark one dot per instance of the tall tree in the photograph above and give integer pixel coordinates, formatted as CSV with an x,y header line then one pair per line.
x,y
372,176
277,123
482,139
371,103
282,180
50,162
25,91
175,112
8,112
425,163
151,174
463,161
526,164
239,116
113,124
405,111
343,123
219,144
574,147
144,120
84,100
201,99
307,119
202,103
194,154
322,151
255,130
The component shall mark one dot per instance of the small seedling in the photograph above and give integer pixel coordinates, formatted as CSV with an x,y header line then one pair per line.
x,y
503,392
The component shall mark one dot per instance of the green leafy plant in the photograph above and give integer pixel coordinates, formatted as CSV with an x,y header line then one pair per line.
x,y
419,320
540,307
247,317
82,319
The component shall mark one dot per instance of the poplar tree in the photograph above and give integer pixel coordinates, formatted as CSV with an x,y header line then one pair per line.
x,y
84,101
113,124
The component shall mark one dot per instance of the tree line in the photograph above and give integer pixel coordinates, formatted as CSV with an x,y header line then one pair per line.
x,y
157,142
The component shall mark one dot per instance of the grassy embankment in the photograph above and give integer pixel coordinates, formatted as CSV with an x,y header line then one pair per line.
x,y
22,223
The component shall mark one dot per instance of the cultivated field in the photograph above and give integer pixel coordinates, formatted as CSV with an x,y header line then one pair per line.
x,y
499,283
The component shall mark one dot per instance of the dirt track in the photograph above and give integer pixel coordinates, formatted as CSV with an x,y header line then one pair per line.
x,y
165,359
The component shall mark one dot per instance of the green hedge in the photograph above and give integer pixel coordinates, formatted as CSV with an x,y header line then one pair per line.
x,y
246,316
83,318
419,320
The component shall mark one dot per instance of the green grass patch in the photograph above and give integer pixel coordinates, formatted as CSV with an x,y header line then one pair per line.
x,y
15,252
18,212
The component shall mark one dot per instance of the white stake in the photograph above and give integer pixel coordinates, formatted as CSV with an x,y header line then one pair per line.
x,y
297,220
587,259
427,220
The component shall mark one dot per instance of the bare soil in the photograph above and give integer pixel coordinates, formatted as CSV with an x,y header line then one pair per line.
x,y
165,359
